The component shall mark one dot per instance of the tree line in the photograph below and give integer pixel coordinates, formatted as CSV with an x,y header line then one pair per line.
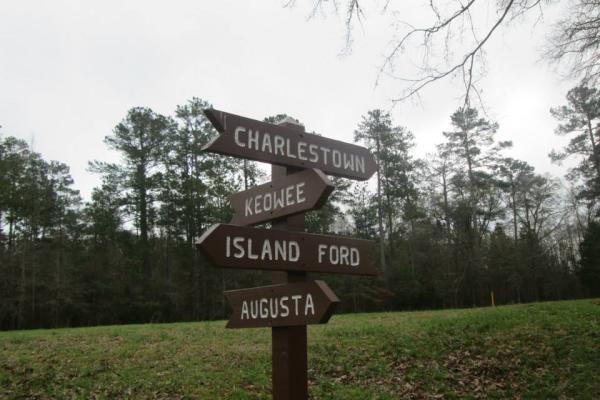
x,y
466,226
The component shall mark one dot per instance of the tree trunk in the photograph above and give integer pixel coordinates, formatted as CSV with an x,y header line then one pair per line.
x,y
390,218
446,207
57,278
595,152
21,304
514,211
411,248
380,212
168,260
143,204
11,232
33,291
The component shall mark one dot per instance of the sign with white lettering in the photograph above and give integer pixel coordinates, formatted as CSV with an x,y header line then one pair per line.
x,y
233,246
277,144
290,304
296,193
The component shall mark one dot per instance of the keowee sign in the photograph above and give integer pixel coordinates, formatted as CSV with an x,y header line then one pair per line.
x,y
301,303
296,193
233,246
276,144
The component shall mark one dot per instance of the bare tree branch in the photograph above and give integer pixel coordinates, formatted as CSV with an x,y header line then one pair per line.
x,y
468,58
576,40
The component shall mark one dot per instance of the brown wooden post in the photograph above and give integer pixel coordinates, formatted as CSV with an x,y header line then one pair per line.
x,y
239,137
289,343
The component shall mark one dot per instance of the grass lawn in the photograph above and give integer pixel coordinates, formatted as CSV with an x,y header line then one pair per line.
x,y
541,351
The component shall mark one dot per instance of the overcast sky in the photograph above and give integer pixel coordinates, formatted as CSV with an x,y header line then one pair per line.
x,y
70,70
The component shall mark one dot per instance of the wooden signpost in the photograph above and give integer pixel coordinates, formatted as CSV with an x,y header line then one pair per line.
x,y
298,185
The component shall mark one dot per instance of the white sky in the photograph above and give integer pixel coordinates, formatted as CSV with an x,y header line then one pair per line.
x,y
70,70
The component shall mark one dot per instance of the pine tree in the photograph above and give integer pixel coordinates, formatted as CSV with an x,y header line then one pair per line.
x,y
139,138
581,118
371,130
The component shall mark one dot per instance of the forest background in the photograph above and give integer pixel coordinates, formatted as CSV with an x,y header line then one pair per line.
x,y
456,228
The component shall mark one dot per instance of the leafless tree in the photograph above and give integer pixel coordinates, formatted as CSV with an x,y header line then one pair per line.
x,y
576,41
452,43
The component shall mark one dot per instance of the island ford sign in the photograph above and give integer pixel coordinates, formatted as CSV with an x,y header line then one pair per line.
x,y
233,246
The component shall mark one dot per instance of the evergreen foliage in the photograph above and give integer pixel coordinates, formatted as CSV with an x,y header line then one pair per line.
x,y
454,230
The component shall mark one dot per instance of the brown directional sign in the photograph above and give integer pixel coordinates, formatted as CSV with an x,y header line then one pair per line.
x,y
290,304
233,246
296,193
276,144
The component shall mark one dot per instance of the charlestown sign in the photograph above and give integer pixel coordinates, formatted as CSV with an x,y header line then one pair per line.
x,y
233,246
300,303
296,193
255,140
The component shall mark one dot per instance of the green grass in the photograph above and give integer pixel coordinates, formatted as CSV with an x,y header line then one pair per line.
x,y
531,351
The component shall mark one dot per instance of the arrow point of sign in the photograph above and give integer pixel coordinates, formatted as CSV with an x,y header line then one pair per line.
x,y
203,243
331,296
214,116
323,177
208,145
230,301
236,219
206,234
328,188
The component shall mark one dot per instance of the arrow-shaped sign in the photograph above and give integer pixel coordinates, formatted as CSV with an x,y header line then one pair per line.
x,y
277,144
300,303
233,246
296,193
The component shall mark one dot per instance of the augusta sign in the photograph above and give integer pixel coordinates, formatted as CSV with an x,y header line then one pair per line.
x,y
301,303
